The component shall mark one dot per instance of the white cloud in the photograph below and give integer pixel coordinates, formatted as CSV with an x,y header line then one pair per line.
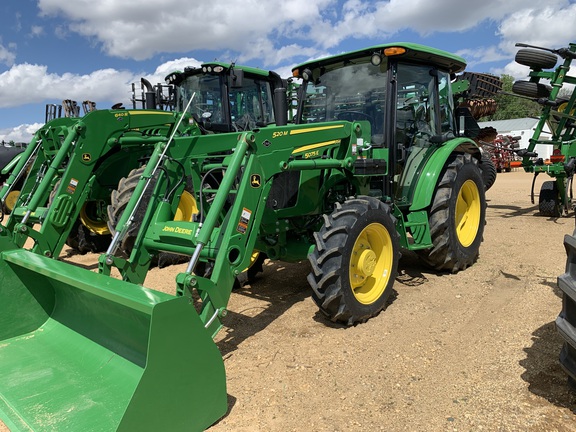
x,y
384,19
140,29
481,55
515,70
17,23
7,55
276,31
36,31
60,32
22,133
33,84
28,83
549,25
171,66
264,50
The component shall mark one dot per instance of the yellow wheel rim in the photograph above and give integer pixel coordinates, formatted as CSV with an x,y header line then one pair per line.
x,y
89,220
10,200
563,106
468,211
371,263
253,259
187,207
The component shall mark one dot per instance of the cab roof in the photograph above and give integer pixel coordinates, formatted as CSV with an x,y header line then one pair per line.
x,y
215,65
414,52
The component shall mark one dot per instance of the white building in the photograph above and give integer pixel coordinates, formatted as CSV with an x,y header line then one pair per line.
x,y
524,128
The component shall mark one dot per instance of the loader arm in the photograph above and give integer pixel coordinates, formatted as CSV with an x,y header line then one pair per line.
x,y
225,235
77,161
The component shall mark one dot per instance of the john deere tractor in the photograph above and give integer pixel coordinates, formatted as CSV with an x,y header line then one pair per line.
x,y
73,165
378,159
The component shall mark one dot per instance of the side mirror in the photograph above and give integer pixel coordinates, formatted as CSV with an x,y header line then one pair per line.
x,y
236,78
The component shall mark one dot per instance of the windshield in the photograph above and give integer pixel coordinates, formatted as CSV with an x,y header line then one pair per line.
x,y
207,93
251,105
352,92
247,107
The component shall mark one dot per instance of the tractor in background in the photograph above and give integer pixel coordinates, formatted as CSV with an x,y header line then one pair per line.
x,y
70,172
11,154
379,158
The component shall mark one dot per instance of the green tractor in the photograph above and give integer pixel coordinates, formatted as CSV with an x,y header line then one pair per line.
x,y
73,166
379,159
558,115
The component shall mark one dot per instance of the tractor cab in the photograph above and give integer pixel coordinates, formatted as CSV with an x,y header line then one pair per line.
x,y
226,98
398,93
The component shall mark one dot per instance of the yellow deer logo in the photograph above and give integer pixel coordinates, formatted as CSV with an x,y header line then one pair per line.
x,y
255,180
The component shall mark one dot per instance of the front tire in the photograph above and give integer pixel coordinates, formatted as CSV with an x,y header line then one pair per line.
x,y
119,200
457,216
355,261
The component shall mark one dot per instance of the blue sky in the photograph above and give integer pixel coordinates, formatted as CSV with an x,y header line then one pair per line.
x,y
52,50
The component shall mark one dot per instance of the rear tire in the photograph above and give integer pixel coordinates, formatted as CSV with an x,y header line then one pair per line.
x,y
549,200
355,261
457,216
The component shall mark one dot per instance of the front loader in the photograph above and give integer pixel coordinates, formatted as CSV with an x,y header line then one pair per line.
x,y
378,160
67,172
73,166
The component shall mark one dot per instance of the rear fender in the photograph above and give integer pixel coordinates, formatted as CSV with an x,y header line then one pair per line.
x,y
430,174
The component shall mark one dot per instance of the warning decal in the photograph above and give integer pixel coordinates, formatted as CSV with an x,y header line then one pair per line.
x,y
244,220
72,186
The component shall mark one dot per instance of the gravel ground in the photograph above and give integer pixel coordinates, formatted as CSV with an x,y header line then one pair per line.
x,y
472,351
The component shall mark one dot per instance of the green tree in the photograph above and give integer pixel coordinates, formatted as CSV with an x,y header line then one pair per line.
x,y
510,106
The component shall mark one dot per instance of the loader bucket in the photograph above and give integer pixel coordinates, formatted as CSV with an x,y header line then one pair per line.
x,y
81,351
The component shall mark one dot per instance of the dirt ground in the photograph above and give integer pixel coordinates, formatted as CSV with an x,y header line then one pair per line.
x,y
473,351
